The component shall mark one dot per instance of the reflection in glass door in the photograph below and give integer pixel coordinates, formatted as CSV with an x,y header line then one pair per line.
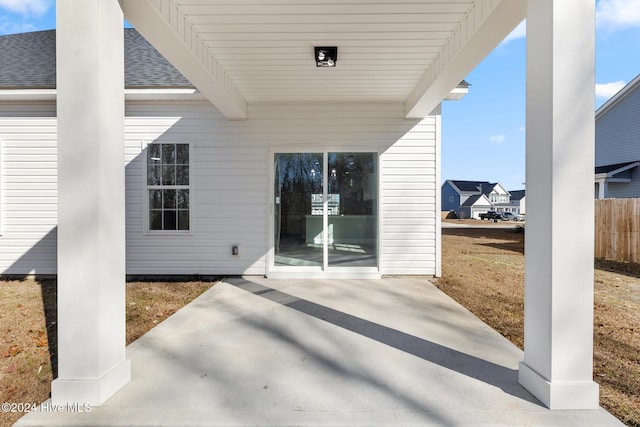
x,y
341,199
298,209
353,222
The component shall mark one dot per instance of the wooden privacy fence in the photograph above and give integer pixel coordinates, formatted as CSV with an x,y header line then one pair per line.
x,y
617,229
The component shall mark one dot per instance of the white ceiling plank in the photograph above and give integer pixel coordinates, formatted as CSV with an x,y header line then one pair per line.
x,y
322,8
328,28
336,37
260,3
373,43
379,18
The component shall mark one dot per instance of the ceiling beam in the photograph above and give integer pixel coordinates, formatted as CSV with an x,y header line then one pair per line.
x,y
485,25
163,24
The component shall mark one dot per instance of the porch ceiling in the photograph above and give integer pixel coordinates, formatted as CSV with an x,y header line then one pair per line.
x,y
238,52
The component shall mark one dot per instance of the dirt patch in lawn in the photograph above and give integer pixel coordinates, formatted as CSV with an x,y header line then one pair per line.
x,y
483,269
28,331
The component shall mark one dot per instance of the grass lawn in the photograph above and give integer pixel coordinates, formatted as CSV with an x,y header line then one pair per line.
x,y
483,269
28,331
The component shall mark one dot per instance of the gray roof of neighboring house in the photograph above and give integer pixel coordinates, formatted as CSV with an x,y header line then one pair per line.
x,y
481,187
469,186
471,200
28,61
611,168
517,194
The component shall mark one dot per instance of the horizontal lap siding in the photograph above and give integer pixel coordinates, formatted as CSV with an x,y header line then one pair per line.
x,y
29,189
409,204
230,182
227,193
617,132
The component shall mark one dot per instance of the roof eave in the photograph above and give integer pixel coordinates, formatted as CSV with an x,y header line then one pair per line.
x,y
130,94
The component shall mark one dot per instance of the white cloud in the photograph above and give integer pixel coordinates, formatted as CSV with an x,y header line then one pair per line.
x,y
27,7
497,139
518,33
522,129
607,90
618,14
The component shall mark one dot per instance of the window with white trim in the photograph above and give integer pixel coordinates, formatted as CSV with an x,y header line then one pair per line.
x,y
168,187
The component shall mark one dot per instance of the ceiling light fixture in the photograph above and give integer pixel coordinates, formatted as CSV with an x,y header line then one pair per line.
x,y
326,56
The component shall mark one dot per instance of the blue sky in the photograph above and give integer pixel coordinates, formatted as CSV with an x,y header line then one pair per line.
x,y
483,134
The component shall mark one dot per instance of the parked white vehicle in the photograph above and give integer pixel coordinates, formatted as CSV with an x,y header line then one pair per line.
x,y
510,216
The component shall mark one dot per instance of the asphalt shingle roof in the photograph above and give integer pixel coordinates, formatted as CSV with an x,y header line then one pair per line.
x,y
469,186
517,194
471,200
28,61
609,168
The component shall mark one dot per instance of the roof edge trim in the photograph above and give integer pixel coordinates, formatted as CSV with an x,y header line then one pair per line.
x,y
182,94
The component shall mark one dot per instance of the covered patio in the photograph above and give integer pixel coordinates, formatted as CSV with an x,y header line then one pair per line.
x,y
316,352
249,57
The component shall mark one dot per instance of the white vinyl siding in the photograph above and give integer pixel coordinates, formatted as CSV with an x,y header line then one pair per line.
x,y
29,190
229,183
618,141
409,189
618,132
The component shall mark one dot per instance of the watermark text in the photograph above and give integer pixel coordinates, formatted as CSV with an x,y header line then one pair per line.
x,y
48,406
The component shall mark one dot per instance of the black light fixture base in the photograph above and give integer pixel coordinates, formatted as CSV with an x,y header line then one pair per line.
x,y
326,56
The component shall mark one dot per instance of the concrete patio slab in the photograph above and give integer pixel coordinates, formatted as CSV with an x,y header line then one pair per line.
x,y
253,351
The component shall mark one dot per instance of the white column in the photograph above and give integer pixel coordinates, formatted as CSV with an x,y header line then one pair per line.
x,y
437,112
557,366
603,189
91,208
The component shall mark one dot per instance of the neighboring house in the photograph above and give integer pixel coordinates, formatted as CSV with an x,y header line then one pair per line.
x,y
469,199
473,206
517,201
617,152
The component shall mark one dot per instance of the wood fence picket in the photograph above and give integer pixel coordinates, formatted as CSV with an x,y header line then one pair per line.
x,y
617,229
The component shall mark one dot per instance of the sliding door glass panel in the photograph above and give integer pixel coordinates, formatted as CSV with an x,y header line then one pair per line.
x,y
298,209
352,209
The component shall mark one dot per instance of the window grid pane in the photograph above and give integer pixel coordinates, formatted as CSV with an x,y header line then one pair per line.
x,y
167,177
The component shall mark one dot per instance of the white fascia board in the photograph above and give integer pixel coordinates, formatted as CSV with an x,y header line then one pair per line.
x,y
502,191
482,199
457,93
622,169
486,24
164,26
27,95
185,94
620,95
151,94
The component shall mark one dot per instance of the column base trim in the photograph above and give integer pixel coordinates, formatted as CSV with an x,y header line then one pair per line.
x,y
94,392
559,394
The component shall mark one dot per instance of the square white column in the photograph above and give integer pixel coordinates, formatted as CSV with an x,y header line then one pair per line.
x,y
91,202
559,244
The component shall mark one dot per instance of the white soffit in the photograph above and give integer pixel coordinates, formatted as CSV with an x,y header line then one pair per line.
x,y
239,52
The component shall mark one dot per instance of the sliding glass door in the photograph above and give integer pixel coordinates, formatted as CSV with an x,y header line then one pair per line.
x,y
325,217
298,209
352,213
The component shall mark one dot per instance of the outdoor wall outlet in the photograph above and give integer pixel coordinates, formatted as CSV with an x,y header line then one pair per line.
x,y
235,250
